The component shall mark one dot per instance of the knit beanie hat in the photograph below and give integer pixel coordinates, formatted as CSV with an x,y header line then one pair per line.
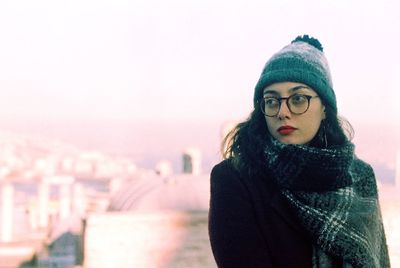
x,y
302,61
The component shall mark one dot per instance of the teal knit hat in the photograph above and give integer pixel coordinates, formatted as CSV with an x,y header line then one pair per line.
x,y
302,61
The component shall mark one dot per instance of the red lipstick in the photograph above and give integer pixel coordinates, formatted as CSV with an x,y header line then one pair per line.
x,y
286,130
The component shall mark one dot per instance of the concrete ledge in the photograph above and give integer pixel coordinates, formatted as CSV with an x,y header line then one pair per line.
x,y
154,239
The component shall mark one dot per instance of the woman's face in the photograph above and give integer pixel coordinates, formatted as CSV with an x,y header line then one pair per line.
x,y
288,127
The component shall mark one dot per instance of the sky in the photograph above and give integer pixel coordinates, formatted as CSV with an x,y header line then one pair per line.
x,y
118,62
185,60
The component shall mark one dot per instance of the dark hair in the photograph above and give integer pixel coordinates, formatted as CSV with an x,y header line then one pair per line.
x,y
244,145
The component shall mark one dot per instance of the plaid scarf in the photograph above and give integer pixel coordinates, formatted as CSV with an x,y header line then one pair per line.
x,y
334,196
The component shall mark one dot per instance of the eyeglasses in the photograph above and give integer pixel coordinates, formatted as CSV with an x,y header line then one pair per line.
x,y
297,104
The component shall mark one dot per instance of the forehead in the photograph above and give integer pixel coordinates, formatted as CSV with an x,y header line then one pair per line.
x,y
285,88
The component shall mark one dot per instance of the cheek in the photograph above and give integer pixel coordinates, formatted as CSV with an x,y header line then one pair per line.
x,y
270,124
312,124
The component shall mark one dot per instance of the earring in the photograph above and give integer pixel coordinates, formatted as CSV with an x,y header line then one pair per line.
x,y
324,133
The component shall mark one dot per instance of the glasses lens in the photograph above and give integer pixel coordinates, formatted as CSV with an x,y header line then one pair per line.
x,y
270,106
298,104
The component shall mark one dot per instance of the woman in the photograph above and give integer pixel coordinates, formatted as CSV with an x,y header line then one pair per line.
x,y
291,192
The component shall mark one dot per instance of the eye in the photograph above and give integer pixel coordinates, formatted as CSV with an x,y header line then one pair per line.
x,y
271,102
298,99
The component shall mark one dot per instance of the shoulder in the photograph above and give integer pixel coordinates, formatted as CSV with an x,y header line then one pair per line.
x,y
361,167
224,173
225,177
224,168
363,177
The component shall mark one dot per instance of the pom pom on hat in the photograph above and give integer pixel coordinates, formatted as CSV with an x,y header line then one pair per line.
x,y
302,61
310,40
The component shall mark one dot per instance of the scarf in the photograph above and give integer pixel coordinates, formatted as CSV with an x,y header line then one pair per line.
x,y
334,196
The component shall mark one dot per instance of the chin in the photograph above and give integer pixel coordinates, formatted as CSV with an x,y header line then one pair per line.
x,y
290,140
287,141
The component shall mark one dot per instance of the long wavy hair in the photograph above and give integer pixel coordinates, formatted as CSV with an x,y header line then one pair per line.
x,y
244,145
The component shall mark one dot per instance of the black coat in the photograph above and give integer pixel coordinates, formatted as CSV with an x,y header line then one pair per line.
x,y
250,223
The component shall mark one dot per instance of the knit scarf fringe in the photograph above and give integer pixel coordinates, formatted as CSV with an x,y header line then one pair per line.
x,y
334,196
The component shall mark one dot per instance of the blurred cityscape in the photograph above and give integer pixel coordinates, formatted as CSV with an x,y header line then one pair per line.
x,y
64,206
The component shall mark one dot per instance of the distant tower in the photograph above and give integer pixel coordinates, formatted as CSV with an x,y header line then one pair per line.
x,y
64,201
191,161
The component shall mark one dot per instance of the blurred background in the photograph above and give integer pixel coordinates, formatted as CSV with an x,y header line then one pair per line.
x,y
112,114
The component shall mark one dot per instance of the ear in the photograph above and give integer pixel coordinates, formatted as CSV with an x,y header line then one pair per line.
x,y
324,113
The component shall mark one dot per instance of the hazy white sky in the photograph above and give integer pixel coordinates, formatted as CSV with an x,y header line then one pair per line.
x,y
186,60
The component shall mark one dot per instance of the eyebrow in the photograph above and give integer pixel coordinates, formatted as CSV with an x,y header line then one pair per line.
x,y
293,89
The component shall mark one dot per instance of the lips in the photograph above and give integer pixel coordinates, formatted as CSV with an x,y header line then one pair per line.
x,y
286,130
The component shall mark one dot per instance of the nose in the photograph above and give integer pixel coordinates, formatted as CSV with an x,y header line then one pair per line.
x,y
284,111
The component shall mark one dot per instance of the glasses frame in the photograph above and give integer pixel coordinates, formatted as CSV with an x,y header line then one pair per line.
x,y
286,99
